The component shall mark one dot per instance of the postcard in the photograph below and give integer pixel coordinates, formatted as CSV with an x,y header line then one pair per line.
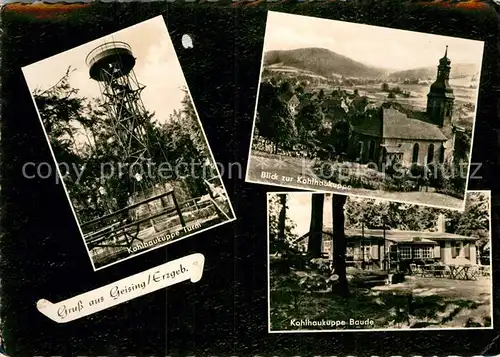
x,y
128,144
366,111
359,264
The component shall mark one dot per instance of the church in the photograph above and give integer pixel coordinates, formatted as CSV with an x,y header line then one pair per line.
x,y
394,134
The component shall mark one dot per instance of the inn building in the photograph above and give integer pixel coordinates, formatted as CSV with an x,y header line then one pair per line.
x,y
371,247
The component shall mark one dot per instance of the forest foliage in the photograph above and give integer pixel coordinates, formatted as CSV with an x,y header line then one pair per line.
x,y
81,137
474,221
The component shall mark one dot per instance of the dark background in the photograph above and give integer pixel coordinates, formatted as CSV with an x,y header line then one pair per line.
x,y
43,255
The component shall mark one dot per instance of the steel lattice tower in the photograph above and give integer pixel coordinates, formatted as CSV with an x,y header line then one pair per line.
x,y
111,65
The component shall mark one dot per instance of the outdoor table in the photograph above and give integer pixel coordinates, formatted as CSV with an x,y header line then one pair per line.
x,y
439,271
463,272
433,271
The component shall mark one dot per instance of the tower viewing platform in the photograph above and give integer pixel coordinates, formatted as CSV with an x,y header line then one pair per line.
x,y
115,58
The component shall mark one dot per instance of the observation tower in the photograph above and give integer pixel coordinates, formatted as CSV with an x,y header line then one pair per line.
x,y
112,66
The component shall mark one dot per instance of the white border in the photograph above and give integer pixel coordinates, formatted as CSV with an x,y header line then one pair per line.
x,y
367,329
206,142
347,191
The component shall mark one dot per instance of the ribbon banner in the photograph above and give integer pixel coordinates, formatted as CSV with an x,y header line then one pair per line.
x,y
187,268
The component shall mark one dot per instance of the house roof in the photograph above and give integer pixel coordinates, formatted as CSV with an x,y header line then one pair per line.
x,y
401,236
294,100
396,125
369,126
397,236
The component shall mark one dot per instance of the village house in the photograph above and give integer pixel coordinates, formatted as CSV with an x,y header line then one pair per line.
x,y
369,248
293,104
389,135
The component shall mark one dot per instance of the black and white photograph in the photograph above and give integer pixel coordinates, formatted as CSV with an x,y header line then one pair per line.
x,y
129,147
364,110
341,263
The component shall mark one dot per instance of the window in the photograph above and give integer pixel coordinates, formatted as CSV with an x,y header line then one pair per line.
x,y
394,158
360,149
405,252
427,252
423,252
467,250
417,253
349,250
384,155
441,154
456,248
430,153
371,149
366,252
415,154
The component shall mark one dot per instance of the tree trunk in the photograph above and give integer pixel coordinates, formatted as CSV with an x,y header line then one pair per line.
x,y
282,218
314,243
339,244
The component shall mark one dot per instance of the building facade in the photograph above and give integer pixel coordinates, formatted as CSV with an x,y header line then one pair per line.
x,y
378,248
393,135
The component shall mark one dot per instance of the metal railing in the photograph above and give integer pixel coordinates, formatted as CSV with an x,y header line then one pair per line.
x,y
108,45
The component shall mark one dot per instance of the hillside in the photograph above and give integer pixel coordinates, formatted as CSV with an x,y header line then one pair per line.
x,y
330,64
323,62
458,70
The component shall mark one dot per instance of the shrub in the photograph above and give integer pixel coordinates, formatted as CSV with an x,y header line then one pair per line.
x,y
397,278
400,184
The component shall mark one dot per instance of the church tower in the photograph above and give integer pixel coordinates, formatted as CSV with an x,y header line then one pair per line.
x,y
440,98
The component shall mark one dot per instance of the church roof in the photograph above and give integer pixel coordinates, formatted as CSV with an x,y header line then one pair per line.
x,y
441,87
445,60
392,124
398,126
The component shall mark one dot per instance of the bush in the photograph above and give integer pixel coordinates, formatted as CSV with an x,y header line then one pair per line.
x,y
453,185
361,182
400,184
417,171
398,278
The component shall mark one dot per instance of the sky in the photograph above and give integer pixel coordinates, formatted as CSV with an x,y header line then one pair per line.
x,y
157,67
377,46
299,211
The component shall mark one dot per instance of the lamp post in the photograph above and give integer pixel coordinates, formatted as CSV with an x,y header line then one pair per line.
x,y
386,257
363,243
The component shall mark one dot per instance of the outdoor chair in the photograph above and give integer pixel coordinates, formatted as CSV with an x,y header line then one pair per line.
x,y
415,269
484,270
427,271
440,271
473,273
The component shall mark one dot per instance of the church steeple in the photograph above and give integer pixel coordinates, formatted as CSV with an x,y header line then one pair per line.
x,y
440,98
